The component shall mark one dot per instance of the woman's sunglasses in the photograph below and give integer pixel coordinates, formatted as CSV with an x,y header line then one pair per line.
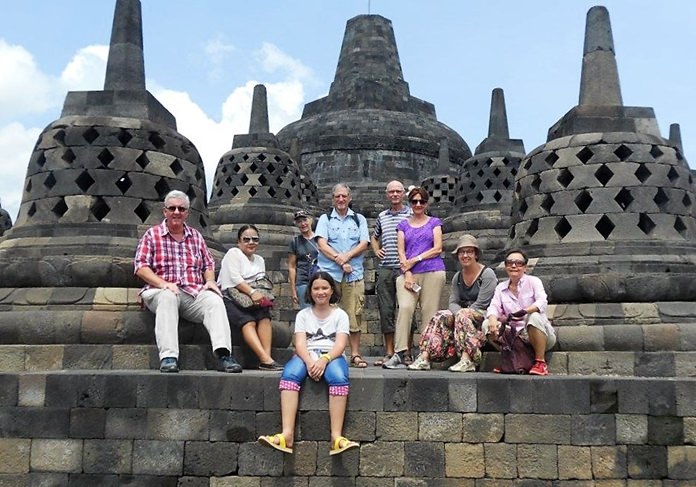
x,y
250,239
418,202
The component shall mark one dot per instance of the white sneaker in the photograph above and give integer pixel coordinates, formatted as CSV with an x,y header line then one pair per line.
x,y
420,364
464,365
394,362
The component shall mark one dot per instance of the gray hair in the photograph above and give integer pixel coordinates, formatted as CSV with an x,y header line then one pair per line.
x,y
340,185
177,195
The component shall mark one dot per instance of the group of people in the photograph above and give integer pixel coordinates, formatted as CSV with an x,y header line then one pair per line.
x,y
326,275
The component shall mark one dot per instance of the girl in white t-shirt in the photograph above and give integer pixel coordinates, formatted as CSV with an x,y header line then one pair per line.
x,y
321,335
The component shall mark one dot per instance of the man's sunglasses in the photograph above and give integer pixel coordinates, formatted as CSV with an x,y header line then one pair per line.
x,y
180,209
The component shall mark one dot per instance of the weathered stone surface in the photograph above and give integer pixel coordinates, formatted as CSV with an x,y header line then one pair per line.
x,y
108,456
538,428
397,426
177,424
14,455
483,428
158,457
210,459
464,460
59,455
501,460
647,462
631,429
440,427
32,390
382,459
681,462
609,461
574,462
537,461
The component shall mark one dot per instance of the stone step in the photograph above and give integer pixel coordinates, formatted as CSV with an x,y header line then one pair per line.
x,y
80,357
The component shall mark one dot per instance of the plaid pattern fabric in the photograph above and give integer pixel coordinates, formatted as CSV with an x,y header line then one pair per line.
x,y
180,262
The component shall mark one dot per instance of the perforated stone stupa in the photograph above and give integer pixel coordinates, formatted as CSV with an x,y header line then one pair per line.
x,y
256,182
95,181
607,204
486,184
369,129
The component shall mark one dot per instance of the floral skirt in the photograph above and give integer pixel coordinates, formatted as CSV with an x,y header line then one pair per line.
x,y
447,335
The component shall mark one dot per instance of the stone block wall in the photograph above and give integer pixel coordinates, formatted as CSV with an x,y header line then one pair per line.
x,y
415,429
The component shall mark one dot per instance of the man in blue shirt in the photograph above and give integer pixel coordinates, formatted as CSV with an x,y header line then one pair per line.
x,y
342,237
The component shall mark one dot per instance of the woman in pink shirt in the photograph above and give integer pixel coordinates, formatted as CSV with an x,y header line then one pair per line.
x,y
521,300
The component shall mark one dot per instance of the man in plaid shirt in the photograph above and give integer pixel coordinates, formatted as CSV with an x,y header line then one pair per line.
x,y
179,272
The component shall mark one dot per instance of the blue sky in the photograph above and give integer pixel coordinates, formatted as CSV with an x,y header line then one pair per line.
x,y
203,58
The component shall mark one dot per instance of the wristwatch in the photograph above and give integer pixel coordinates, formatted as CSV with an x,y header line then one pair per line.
x,y
420,258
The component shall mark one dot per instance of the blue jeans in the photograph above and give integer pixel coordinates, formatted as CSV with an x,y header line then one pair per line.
x,y
301,289
335,374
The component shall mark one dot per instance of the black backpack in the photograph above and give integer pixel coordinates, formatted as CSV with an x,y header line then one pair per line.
x,y
516,355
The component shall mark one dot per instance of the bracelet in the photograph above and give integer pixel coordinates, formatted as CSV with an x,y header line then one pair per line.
x,y
326,357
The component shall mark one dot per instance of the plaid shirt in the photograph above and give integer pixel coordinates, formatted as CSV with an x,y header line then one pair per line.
x,y
182,262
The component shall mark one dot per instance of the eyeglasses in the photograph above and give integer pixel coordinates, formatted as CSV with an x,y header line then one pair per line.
x,y
418,202
180,209
250,239
515,263
467,251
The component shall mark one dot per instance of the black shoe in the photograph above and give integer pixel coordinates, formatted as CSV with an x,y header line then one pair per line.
x,y
273,366
169,365
228,364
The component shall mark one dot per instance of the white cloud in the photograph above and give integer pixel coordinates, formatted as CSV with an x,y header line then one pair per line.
x,y
272,59
217,50
24,89
86,70
16,145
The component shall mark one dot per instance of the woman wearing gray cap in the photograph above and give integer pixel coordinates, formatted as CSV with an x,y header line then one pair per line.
x,y
302,258
457,331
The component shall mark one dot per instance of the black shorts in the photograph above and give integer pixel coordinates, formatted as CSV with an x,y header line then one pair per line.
x,y
239,317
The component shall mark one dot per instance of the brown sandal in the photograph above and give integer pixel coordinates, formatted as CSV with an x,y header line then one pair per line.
x,y
357,361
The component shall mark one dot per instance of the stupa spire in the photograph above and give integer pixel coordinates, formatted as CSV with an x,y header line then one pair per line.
x,y
125,68
497,122
599,84
259,111
675,136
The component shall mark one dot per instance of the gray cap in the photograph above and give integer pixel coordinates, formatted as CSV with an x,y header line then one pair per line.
x,y
302,214
467,240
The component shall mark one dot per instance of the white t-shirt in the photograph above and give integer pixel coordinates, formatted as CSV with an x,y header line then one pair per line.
x,y
236,268
321,333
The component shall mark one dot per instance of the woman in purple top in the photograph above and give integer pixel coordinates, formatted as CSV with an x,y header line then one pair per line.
x,y
423,272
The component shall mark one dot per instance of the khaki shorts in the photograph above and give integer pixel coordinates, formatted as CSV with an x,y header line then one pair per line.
x,y
352,302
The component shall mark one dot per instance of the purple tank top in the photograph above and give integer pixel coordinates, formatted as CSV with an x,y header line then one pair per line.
x,y
418,240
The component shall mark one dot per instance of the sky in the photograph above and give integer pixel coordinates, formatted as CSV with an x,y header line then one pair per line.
x,y
203,58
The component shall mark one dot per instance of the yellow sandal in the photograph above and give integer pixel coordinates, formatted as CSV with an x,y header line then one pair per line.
x,y
270,440
337,448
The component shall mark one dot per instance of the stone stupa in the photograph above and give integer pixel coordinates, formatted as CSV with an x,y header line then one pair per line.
x,y
369,129
606,208
486,185
95,181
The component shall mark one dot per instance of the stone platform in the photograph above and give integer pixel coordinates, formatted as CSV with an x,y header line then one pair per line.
x,y
142,428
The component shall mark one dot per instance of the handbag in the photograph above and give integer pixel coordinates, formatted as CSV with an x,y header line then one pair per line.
x,y
263,285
